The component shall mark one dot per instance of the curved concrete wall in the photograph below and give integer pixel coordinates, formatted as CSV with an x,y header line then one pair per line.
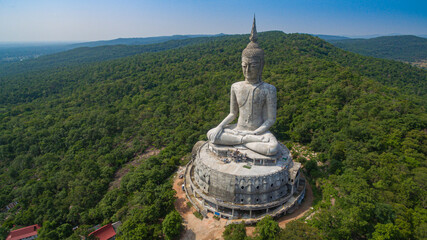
x,y
242,189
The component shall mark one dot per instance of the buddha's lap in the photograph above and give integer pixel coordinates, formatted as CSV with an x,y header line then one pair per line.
x,y
230,130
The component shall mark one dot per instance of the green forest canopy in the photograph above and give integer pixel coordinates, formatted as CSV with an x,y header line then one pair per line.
x,y
66,130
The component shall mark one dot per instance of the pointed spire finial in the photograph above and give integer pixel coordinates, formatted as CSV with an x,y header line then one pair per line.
x,y
254,34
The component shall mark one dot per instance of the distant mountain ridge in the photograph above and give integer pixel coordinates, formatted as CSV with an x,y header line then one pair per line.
x,y
338,37
139,41
406,48
10,53
384,35
20,52
330,37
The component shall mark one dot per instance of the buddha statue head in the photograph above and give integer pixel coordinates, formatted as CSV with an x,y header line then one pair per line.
x,y
253,58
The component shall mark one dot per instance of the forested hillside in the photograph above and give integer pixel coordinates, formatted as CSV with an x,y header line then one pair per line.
x,y
408,48
66,130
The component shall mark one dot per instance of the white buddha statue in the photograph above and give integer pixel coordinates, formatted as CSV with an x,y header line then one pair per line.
x,y
254,101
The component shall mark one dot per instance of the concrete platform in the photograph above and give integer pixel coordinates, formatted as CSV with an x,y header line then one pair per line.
x,y
243,168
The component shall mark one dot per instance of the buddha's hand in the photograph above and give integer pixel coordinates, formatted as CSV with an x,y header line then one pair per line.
x,y
244,132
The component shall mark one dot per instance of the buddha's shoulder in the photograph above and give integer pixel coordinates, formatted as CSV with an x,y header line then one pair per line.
x,y
264,86
268,87
238,85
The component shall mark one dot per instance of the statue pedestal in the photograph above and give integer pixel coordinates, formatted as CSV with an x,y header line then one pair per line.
x,y
238,183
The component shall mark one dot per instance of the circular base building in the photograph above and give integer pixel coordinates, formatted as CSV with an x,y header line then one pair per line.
x,y
236,183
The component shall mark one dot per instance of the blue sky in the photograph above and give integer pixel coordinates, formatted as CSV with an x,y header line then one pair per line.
x,y
89,20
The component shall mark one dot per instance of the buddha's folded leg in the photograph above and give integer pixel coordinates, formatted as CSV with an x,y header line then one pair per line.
x,y
266,148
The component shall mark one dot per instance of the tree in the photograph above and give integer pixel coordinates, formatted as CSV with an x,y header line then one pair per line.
x,y
235,232
172,225
3,232
48,230
140,231
64,230
385,232
297,230
267,229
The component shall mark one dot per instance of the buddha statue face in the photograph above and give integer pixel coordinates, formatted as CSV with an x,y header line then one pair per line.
x,y
252,69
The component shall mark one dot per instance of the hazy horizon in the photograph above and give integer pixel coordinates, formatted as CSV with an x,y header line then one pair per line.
x,y
45,43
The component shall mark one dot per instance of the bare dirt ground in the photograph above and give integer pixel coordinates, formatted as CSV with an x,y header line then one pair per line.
x,y
210,228
420,63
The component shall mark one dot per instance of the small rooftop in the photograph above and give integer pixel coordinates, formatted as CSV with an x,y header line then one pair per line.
x,y
104,233
24,232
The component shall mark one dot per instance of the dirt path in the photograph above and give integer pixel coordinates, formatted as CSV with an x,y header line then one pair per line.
x,y
135,162
210,228
298,213
302,209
